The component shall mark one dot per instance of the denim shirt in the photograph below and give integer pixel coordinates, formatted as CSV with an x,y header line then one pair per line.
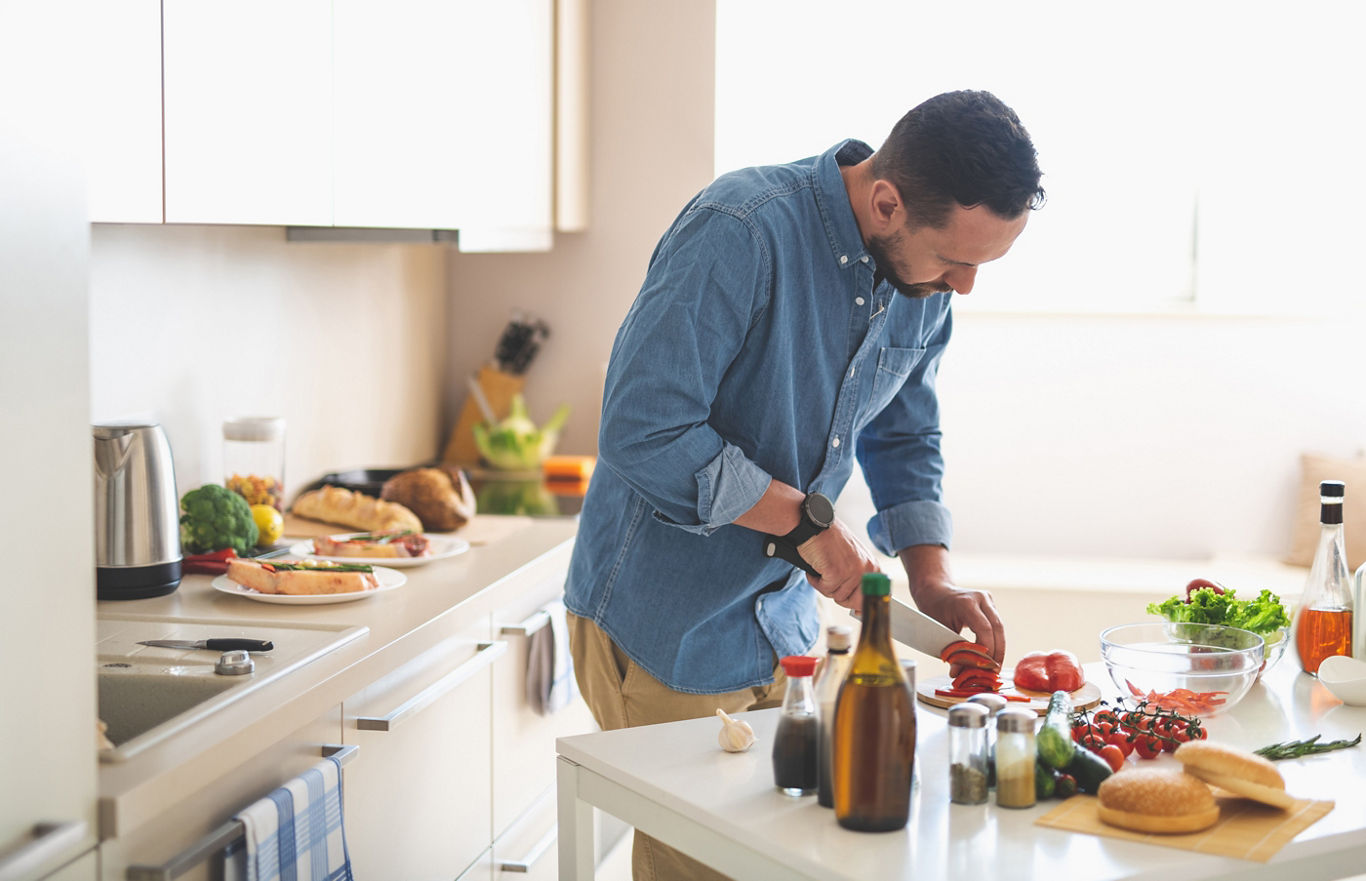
x,y
760,346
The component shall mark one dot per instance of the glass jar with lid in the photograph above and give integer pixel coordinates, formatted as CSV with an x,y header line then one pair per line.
x,y
254,459
968,753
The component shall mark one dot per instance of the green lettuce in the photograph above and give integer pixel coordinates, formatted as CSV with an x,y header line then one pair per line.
x,y
1264,615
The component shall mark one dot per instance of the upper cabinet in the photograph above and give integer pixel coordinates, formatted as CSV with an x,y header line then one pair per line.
x,y
248,102
414,114
123,106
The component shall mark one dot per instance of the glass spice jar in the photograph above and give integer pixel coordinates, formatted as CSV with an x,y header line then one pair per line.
x,y
1015,757
968,754
254,459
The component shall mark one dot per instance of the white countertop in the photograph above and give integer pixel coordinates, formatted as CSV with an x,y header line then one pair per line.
x,y
399,625
709,794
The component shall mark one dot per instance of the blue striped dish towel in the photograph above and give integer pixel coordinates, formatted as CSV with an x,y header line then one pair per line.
x,y
295,833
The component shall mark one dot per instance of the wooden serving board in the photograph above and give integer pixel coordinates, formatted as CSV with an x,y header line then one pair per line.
x,y
1082,699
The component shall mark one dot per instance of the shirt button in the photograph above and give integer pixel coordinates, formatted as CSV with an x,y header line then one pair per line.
x,y
858,301
759,604
863,259
843,259
835,442
851,373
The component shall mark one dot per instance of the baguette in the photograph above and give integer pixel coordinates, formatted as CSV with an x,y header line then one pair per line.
x,y
321,578
332,504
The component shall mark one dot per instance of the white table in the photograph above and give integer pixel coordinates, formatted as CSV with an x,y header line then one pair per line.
x,y
672,781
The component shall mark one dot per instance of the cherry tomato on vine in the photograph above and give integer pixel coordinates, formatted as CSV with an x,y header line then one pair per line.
x,y
1114,755
1147,747
1121,740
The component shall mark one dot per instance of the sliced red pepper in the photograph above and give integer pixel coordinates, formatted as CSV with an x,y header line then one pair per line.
x,y
204,567
220,556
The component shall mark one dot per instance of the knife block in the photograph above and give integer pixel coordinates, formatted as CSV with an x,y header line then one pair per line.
x,y
498,387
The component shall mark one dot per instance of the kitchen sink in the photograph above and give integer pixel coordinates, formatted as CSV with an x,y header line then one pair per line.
x,y
147,694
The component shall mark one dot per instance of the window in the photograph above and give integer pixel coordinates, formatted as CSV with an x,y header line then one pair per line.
x,y
1197,155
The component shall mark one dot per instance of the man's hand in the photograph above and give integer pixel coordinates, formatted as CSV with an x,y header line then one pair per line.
x,y
934,594
841,559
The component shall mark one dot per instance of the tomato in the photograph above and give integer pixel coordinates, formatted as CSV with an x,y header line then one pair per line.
x,y
1195,732
1092,742
1105,729
1147,747
1121,740
1079,731
1114,755
1106,716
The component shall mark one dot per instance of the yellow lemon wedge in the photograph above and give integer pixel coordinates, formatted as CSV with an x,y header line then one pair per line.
x,y
269,522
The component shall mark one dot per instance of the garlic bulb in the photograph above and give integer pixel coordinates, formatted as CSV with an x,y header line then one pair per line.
x,y
735,735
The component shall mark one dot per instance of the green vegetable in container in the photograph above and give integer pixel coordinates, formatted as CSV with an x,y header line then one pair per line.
x,y
515,443
1206,605
214,517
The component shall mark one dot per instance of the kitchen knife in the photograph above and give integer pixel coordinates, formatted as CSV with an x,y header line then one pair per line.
x,y
918,630
216,645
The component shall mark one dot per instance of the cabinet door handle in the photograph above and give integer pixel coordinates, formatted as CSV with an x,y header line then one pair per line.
x,y
537,851
50,840
488,653
528,625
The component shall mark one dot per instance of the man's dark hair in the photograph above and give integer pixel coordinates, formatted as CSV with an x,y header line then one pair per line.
x,y
963,147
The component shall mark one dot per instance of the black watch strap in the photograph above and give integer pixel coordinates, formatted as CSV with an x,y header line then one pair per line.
x,y
817,515
775,546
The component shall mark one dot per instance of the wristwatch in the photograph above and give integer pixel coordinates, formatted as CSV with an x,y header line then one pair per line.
x,y
817,515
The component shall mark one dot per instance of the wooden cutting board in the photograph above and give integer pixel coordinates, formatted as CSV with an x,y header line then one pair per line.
x,y
1082,699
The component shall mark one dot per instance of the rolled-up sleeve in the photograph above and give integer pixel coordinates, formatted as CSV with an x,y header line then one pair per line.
x,y
706,285
899,452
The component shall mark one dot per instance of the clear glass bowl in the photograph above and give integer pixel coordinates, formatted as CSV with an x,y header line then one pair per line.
x,y
1165,656
1276,643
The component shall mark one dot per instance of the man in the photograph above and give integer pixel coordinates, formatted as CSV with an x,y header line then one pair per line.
x,y
792,320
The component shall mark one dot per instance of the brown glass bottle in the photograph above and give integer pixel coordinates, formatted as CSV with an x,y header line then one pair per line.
x,y
874,736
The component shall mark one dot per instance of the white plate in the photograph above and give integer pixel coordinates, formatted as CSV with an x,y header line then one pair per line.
x,y
441,546
388,580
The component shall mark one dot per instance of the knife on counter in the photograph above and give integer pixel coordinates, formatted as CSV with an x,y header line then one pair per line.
x,y
216,645
918,630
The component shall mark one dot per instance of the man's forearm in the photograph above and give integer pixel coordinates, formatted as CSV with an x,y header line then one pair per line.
x,y
777,512
926,566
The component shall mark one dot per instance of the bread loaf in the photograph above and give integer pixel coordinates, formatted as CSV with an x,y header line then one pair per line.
x,y
332,504
1234,770
440,497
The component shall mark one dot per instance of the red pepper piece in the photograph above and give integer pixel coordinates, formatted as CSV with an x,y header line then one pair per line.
x,y
221,556
1064,671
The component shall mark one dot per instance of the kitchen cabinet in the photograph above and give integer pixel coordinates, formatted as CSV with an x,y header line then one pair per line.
x,y
443,114
47,627
419,806
248,111
179,826
123,108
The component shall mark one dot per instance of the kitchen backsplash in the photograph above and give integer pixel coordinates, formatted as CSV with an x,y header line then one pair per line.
x,y
193,325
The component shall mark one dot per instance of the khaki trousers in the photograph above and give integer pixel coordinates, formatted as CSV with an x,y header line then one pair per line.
x,y
622,695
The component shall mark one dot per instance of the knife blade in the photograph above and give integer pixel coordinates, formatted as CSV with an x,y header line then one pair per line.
x,y
216,645
918,630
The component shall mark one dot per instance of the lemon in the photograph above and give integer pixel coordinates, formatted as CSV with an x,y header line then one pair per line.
x,y
269,522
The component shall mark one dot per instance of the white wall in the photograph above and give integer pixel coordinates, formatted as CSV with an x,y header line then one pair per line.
x,y
194,325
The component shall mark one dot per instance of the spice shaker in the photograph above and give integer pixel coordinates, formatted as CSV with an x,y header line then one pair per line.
x,y
254,459
798,736
994,703
1015,757
968,753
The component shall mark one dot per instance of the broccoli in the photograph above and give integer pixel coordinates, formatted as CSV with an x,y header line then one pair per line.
x,y
216,518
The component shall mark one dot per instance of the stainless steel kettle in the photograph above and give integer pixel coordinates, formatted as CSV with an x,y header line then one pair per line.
x,y
137,512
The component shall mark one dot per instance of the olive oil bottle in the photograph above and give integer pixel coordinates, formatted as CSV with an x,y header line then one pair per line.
x,y
874,732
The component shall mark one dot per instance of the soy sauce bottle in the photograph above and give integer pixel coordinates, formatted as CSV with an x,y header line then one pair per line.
x,y
796,743
874,749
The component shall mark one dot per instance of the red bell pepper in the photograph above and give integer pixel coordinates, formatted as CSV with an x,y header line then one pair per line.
x,y
1049,672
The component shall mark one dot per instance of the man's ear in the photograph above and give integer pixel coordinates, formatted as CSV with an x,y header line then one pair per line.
x,y
886,205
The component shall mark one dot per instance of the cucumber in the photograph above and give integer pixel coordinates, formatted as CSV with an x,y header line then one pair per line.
x,y
1044,781
1088,769
1054,740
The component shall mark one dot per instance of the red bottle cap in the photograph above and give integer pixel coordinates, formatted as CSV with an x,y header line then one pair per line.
x,y
798,665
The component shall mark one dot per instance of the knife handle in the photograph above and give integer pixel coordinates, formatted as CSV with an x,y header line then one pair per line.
x,y
229,645
776,547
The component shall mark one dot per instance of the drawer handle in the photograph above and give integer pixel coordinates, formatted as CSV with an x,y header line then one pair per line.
x,y
535,621
537,851
49,840
488,653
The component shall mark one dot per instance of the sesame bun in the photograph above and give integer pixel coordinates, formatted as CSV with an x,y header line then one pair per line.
x,y
1235,770
1156,800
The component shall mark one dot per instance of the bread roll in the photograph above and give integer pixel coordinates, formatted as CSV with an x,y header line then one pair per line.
x,y
1237,771
321,579
1156,800
332,504
440,497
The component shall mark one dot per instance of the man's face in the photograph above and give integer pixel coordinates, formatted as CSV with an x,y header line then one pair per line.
x,y
923,261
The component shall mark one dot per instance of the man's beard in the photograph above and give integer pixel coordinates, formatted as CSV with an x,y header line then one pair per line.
x,y
879,247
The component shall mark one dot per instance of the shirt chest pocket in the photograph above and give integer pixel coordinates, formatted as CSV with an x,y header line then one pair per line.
x,y
894,365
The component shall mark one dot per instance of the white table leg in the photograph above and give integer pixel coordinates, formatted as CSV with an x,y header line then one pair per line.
x,y
577,856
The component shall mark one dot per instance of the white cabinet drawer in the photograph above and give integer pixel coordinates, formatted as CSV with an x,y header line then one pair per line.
x,y
528,850
418,807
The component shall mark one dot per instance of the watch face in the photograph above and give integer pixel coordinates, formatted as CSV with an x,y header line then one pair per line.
x,y
819,509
